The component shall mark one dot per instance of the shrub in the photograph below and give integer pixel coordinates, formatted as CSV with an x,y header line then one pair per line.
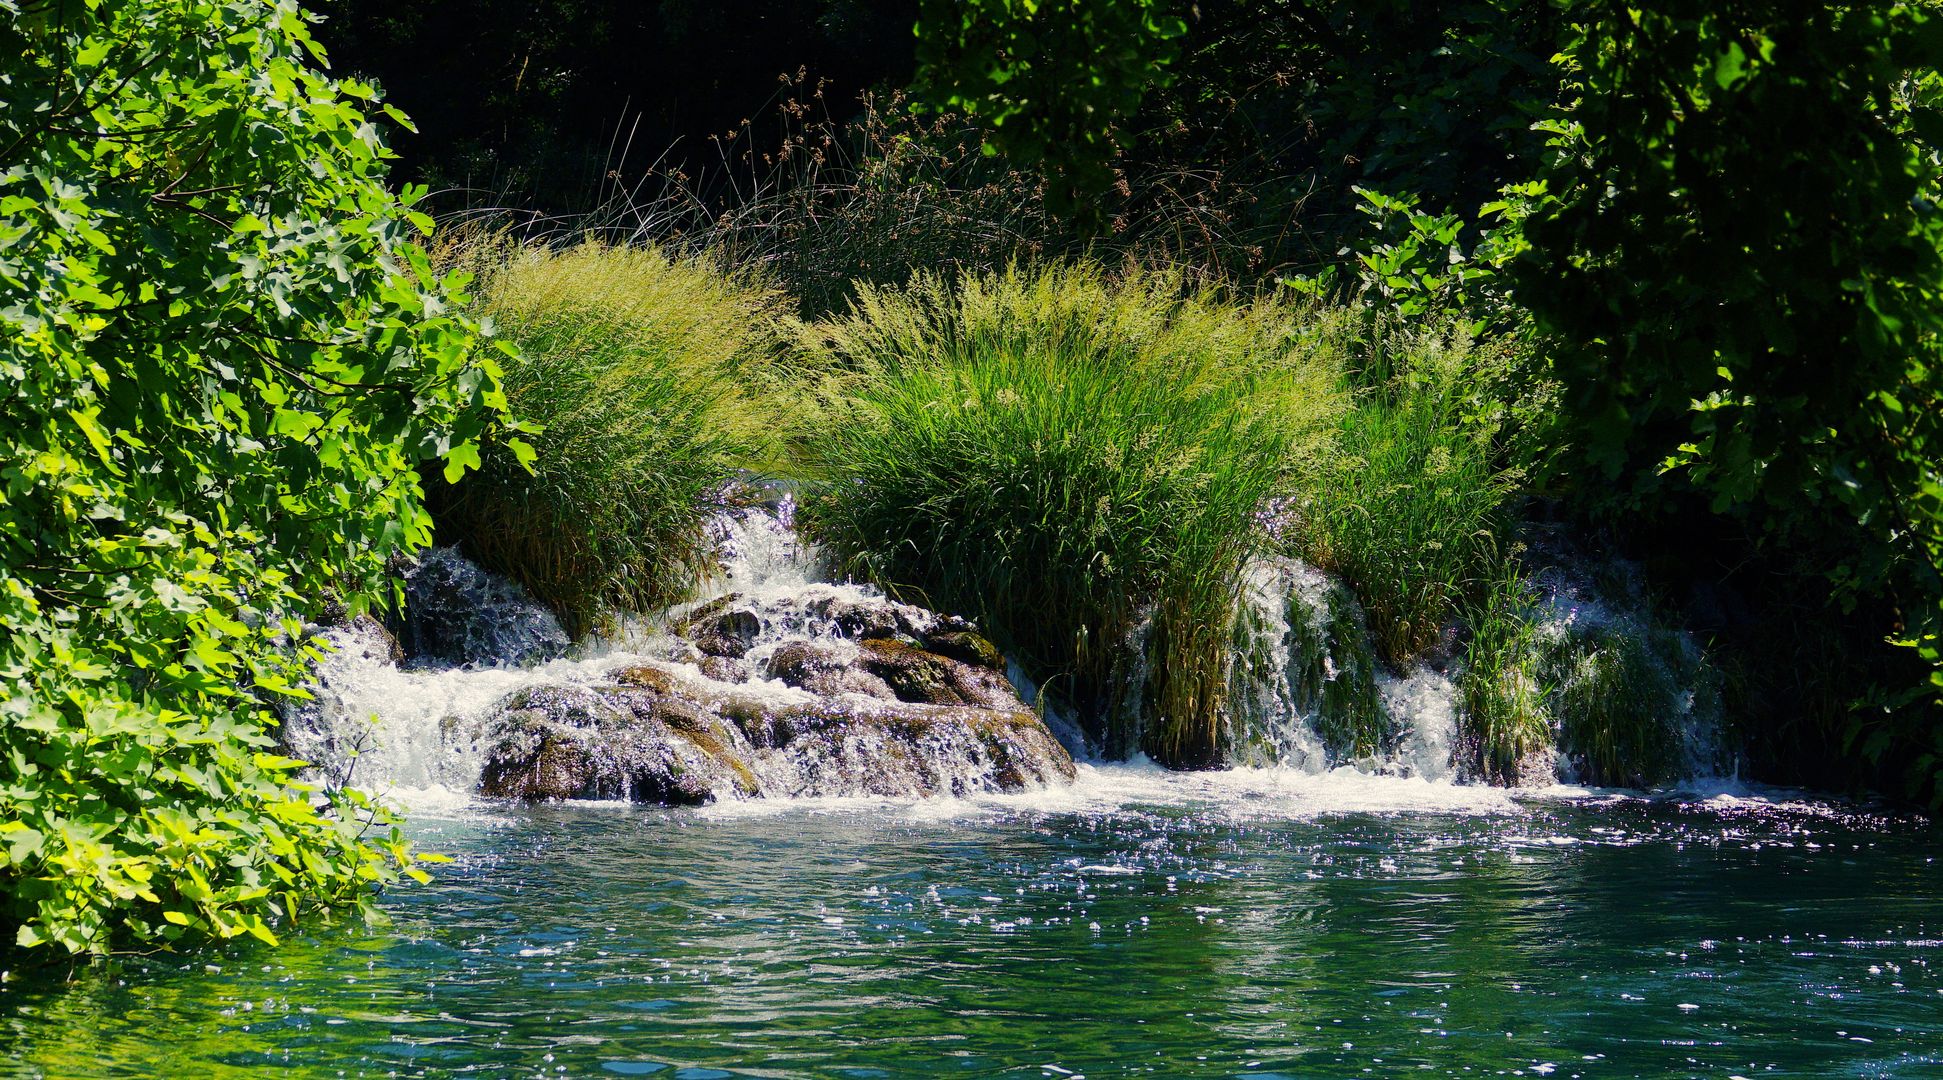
x,y
223,359
1062,456
640,368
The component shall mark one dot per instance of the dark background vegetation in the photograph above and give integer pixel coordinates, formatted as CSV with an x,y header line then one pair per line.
x,y
536,103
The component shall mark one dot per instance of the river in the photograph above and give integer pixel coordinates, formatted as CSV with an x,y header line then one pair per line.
x,y
1254,923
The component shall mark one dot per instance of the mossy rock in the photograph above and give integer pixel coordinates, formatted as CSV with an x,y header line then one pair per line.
x,y
966,648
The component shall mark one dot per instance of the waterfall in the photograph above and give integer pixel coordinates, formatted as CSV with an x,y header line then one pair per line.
x,y
775,681
1608,658
1630,701
1308,692
426,711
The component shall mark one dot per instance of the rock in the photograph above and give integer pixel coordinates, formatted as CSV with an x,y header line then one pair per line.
x,y
721,627
660,738
726,669
824,690
458,615
611,743
364,637
916,675
966,647
795,662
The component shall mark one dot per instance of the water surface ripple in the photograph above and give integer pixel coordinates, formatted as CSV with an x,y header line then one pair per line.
x,y
1243,925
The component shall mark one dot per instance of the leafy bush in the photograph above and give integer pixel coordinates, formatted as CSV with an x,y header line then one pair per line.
x,y
1062,72
1739,246
1062,455
223,360
640,369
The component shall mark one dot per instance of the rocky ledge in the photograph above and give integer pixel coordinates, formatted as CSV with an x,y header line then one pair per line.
x,y
820,693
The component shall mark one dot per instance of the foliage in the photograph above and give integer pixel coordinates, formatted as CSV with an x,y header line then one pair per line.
x,y
1439,99
224,359
1051,77
641,370
1741,248
1061,455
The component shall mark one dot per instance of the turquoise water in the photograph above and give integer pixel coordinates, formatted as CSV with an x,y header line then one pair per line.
x,y
1248,925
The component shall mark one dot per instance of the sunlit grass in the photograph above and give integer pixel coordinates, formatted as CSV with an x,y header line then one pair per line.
x,y
1410,503
643,371
1062,455
1506,718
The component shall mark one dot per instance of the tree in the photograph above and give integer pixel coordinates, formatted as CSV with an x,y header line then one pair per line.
x,y
1051,77
1740,253
222,357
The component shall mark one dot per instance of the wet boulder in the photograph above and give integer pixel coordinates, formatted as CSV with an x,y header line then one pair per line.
x,y
659,737
966,647
825,690
721,628
918,675
459,615
824,670
620,742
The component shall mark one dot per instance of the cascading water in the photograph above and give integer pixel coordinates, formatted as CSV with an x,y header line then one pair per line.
x,y
436,709
384,719
1631,701
1610,662
774,683
1308,692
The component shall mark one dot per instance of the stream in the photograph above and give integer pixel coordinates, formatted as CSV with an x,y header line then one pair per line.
x,y
1305,916
1256,923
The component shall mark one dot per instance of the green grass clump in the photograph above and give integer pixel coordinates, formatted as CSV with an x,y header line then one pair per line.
x,y
1611,695
641,369
1623,693
1061,454
1506,718
1409,505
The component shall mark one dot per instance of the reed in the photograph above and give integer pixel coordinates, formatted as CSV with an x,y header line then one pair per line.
x,y
1409,506
1070,457
1506,718
645,373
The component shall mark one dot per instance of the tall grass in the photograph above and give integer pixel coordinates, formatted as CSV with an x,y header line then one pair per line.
x,y
1506,718
1065,455
644,371
823,206
1410,505
1628,694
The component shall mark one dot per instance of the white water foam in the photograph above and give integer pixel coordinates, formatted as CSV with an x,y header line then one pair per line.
x,y
1240,794
1424,704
